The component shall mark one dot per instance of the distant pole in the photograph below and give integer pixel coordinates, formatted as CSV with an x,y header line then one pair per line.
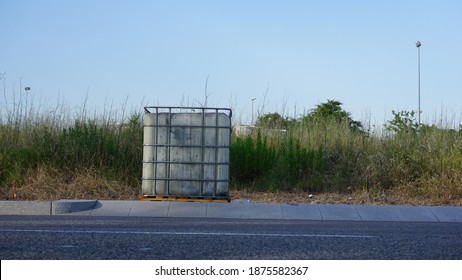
x,y
253,99
418,44
27,89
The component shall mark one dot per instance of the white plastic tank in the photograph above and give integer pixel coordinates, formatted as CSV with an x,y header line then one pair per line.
x,y
186,152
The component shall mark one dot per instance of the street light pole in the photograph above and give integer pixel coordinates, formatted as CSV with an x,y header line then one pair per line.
x,y
253,99
27,89
418,44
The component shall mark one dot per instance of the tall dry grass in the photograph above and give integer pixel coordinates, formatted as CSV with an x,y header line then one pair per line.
x,y
49,153
62,153
328,156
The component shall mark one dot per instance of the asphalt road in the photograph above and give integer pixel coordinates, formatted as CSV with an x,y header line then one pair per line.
x,y
73,237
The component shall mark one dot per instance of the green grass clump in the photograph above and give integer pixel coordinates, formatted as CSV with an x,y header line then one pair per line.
x,y
251,158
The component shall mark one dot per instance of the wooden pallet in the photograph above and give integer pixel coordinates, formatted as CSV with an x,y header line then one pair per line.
x,y
184,199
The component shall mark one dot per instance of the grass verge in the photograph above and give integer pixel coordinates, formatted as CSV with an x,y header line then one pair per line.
x,y
48,157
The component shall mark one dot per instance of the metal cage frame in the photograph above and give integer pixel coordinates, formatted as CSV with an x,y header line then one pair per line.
x,y
168,163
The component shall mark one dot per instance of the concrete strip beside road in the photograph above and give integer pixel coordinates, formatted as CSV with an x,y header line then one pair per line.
x,y
149,209
120,208
187,209
382,213
8,207
234,210
301,211
447,213
339,212
415,213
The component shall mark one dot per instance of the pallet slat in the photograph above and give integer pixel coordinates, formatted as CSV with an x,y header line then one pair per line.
x,y
185,199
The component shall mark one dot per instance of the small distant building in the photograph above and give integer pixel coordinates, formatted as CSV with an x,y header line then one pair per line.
x,y
245,130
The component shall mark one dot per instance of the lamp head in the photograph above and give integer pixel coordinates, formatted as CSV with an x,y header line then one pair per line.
x,y
418,44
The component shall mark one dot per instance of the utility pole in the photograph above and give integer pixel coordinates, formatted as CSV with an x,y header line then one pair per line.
x,y
418,44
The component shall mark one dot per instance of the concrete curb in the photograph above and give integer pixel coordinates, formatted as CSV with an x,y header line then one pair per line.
x,y
25,207
234,210
57,207
71,206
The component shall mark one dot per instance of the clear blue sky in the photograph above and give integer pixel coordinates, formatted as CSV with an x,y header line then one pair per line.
x,y
361,53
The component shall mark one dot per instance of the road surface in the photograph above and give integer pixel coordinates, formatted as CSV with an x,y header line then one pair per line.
x,y
74,237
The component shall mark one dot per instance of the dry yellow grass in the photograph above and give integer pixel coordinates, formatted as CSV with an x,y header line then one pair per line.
x,y
357,197
46,184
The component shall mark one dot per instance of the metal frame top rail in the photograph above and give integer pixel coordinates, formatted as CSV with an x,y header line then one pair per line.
x,y
182,125
189,146
203,109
